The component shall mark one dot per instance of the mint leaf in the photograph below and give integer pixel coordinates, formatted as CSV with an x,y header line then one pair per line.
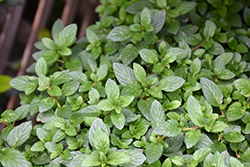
x,y
19,134
153,152
211,92
235,111
192,137
157,115
158,20
195,111
234,137
242,86
67,36
112,90
149,55
209,29
170,128
117,119
140,73
117,158
119,33
41,67
12,158
124,74
170,83
101,141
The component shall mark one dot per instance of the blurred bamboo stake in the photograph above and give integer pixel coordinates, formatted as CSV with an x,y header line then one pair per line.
x,y
69,11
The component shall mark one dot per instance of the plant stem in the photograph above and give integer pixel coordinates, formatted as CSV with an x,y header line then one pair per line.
x,y
109,113
196,47
161,138
60,68
4,123
64,58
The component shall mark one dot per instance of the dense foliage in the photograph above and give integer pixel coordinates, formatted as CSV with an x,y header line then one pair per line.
x,y
154,83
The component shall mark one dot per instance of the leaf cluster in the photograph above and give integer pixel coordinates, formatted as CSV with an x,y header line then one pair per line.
x,y
153,83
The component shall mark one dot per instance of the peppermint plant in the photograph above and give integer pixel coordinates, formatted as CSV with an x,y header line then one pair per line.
x,y
154,83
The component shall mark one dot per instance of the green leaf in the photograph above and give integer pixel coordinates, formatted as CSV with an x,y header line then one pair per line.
x,y
129,53
20,82
145,17
174,53
192,137
247,15
59,122
89,63
140,73
218,160
234,137
54,91
124,74
124,101
149,55
102,72
9,116
51,147
153,152
211,92
106,105
19,134
59,136
46,104
235,111
5,83
242,85
139,6
170,83
22,111
195,67
219,126
172,26
92,37
67,36
92,160
117,158
225,74
31,87
235,162
74,64
155,92
13,158
41,67
43,135
170,128
119,33
112,90
216,49
167,163
158,20
195,111
157,115
144,107
70,130
69,88
94,96
185,7
49,43
57,27
101,141
136,158
118,120
201,154
209,29
38,146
